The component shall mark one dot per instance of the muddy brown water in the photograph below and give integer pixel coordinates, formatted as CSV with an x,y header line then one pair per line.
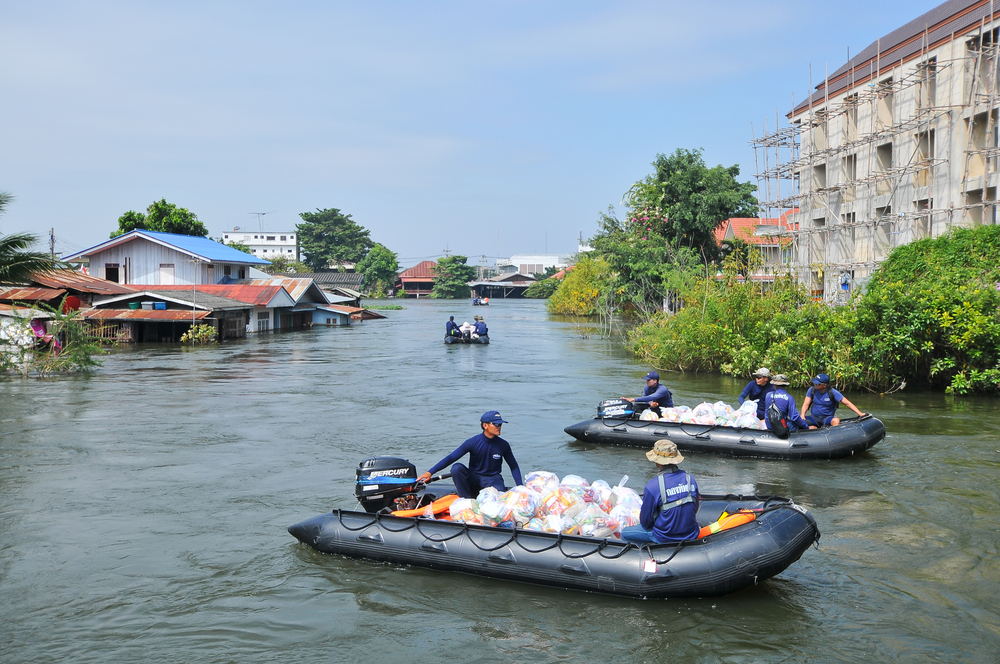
x,y
143,509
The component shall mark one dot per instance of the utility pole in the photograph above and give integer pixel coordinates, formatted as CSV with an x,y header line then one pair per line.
x,y
447,251
52,243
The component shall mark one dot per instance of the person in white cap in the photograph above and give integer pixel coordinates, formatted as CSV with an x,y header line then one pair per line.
x,y
669,501
757,389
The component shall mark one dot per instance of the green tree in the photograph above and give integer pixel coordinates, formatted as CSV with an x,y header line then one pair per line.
x,y
380,267
285,265
163,217
684,201
451,278
542,289
16,262
330,237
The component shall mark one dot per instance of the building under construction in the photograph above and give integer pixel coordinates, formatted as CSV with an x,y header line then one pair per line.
x,y
899,144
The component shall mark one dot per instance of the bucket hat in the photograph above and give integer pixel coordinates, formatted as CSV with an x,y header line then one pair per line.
x,y
779,380
664,452
763,372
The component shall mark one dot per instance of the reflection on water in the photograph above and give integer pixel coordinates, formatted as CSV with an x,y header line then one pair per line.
x,y
144,508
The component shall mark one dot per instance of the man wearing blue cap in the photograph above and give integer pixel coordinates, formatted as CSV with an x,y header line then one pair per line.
x,y
824,401
487,451
655,395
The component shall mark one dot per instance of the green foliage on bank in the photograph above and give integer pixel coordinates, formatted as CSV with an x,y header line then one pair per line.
x,y
579,292
543,289
930,316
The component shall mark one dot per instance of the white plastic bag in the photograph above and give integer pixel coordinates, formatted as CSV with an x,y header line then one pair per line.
x,y
541,481
466,510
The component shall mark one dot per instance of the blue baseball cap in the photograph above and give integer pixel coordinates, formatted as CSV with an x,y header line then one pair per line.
x,y
492,417
651,375
822,378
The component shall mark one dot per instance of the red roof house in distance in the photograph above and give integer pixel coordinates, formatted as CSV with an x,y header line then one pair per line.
x,y
418,280
771,236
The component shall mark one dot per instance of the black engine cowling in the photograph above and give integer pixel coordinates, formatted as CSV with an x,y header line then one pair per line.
x,y
616,408
382,479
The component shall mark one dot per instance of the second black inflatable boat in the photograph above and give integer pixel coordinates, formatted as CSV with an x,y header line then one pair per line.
x,y
850,437
718,564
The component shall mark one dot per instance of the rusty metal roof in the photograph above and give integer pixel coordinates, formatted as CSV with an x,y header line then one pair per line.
x,y
144,314
333,277
421,270
29,294
77,281
297,287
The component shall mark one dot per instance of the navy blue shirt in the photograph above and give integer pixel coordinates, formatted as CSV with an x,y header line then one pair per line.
x,y
660,394
755,392
481,329
822,405
452,325
786,406
486,456
678,523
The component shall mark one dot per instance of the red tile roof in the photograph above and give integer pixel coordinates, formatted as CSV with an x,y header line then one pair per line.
x,y
421,270
745,228
255,295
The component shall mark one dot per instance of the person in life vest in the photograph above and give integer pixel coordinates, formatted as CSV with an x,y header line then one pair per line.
x,y
785,403
451,328
824,401
655,394
669,501
487,452
757,389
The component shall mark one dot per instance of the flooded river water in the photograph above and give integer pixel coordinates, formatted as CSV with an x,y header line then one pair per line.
x,y
143,509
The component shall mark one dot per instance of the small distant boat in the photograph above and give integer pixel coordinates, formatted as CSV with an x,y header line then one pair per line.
x,y
480,302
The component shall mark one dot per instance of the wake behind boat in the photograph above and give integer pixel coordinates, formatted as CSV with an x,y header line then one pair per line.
x,y
713,565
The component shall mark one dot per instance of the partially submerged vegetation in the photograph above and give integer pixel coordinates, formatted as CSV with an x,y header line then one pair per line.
x,y
67,346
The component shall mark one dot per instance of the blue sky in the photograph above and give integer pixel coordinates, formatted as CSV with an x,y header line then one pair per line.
x,y
485,128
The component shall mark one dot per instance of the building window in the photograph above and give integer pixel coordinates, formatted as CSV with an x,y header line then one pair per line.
x,y
227,270
284,238
270,238
226,236
289,251
111,272
243,273
166,274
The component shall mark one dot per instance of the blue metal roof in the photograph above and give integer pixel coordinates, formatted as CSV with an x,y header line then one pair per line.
x,y
202,247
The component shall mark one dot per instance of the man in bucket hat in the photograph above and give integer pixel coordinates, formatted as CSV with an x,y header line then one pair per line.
x,y
785,403
669,501
757,389
487,452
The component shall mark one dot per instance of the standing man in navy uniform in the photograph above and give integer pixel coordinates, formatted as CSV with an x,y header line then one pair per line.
x,y
824,401
669,501
757,389
655,395
487,452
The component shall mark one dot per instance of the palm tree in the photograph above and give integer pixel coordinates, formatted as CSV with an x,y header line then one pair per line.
x,y
16,263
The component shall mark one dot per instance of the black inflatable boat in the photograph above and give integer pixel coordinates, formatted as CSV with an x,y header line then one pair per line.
x,y
485,339
714,565
613,427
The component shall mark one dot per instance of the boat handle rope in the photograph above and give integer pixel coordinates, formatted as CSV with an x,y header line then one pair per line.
x,y
441,539
680,545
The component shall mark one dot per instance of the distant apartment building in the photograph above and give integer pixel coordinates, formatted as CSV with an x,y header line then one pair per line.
x,y
898,144
267,244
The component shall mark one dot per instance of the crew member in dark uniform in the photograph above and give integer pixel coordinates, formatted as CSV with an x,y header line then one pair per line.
x,y
786,405
824,401
655,394
757,389
487,451
451,328
669,501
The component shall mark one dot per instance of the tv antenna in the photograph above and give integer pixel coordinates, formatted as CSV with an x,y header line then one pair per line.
x,y
260,223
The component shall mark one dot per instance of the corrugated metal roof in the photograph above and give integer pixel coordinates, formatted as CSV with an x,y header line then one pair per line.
x,y
258,296
297,287
183,298
28,294
200,247
334,277
10,311
501,278
421,270
145,314
78,281
955,17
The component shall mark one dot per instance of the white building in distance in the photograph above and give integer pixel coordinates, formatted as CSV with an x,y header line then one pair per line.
x,y
266,244
530,263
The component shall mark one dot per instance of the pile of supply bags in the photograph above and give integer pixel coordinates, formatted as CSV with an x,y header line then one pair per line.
x,y
572,506
718,413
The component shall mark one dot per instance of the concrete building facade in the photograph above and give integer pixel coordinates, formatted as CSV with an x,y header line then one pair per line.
x,y
267,244
898,144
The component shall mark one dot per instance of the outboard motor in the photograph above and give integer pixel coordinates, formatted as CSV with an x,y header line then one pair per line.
x,y
615,408
381,480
